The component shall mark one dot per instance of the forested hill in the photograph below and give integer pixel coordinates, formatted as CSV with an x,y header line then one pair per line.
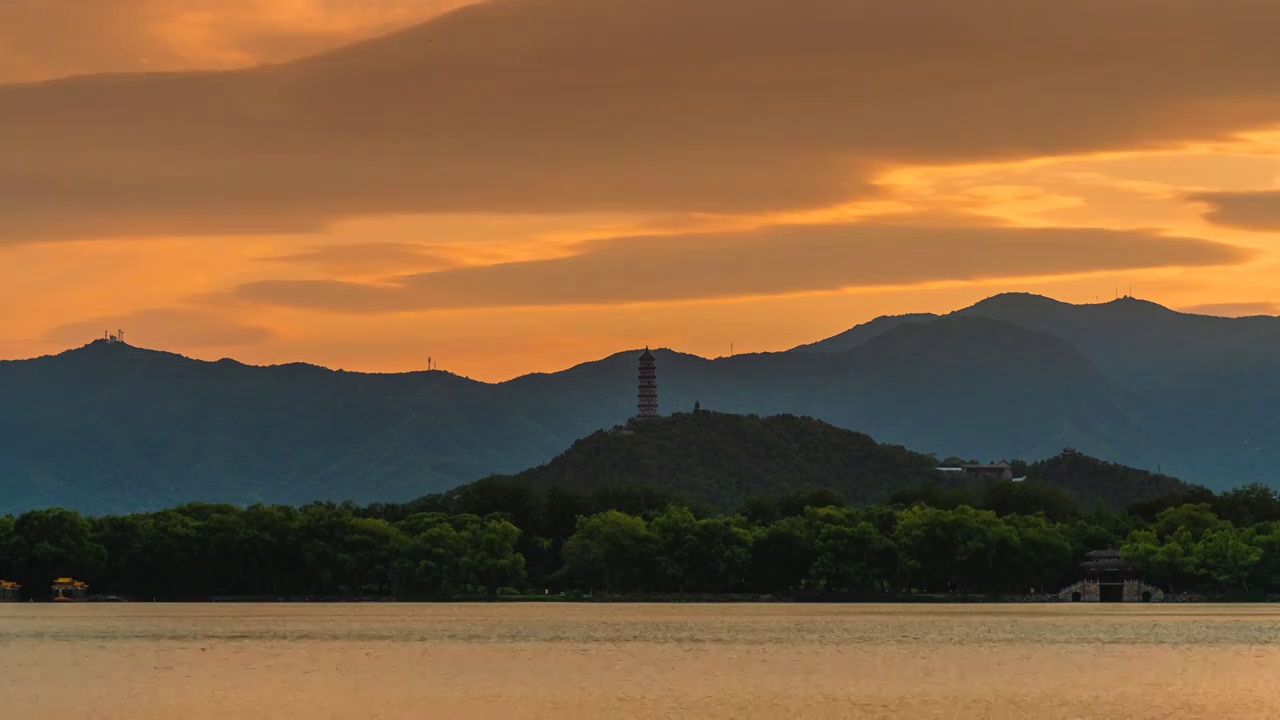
x,y
1090,481
718,460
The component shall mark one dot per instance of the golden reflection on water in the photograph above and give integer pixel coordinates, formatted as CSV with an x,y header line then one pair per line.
x,y
464,662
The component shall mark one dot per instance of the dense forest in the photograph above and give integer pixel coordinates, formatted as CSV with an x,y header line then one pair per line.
x,y
504,538
716,459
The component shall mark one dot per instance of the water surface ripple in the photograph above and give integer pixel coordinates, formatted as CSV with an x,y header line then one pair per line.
x,y
393,660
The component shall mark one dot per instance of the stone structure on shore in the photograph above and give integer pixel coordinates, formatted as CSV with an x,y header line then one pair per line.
x,y
1108,578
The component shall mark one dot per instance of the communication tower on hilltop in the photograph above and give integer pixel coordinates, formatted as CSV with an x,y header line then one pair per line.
x,y
647,405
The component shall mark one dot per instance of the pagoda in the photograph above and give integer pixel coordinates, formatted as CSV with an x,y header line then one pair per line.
x,y
647,402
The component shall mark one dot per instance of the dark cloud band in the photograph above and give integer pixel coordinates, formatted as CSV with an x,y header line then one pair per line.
x,y
767,261
1245,210
665,106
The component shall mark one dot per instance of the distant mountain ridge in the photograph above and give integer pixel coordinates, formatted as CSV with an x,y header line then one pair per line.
x,y
865,332
1204,383
113,428
1136,343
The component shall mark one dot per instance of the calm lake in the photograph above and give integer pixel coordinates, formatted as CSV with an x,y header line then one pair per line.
x,y
152,661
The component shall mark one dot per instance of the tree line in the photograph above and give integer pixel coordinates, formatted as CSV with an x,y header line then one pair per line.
x,y
506,537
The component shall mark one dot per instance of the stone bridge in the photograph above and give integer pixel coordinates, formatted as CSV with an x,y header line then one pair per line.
x,y
1134,591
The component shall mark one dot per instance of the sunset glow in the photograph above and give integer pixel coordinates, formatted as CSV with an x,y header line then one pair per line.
x,y
462,192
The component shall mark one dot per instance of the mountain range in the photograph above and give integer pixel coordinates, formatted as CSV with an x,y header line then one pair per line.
x,y
114,428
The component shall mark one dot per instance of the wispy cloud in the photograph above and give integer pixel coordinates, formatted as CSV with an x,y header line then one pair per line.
x,y
165,328
1237,309
44,39
1245,210
358,259
767,261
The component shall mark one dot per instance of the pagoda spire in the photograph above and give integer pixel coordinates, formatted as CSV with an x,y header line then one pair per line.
x,y
647,400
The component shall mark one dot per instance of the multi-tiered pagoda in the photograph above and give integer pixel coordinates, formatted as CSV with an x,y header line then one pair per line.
x,y
647,404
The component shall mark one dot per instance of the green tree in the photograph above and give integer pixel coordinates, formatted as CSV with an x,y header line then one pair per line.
x,y
947,550
1165,562
429,562
1226,555
1044,558
12,552
489,558
169,553
932,494
1267,571
851,553
611,551
763,510
1028,498
57,543
1248,505
707,555
1196,519
783,555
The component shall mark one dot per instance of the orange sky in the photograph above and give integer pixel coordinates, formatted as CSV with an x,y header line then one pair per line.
x,y
522,185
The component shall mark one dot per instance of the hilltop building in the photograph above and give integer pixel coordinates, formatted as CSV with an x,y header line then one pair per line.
x,y
647,399
1002,470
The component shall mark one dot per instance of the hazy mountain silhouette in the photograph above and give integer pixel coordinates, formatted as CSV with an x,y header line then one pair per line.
x,y
1135,343
109,427
1205,384
859,334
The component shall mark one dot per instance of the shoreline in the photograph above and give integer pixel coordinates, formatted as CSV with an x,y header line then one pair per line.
x,y
692,599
